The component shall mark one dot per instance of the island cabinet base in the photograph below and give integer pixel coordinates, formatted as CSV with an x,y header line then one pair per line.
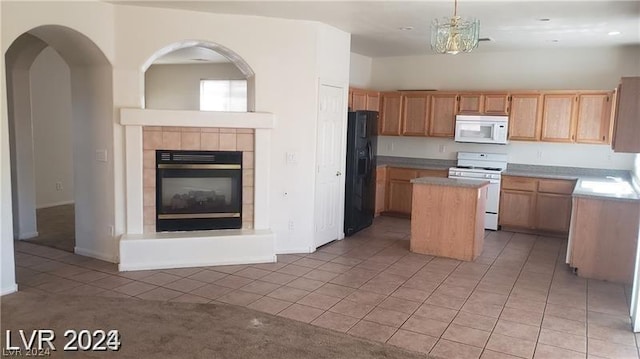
x,y
448,221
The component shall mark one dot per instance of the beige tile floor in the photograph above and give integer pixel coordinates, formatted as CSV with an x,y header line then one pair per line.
x,y
517,300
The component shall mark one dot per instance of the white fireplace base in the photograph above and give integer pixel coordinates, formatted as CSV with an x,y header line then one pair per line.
x,y
196,249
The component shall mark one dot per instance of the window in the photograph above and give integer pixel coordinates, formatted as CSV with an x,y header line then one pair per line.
x,y
223,95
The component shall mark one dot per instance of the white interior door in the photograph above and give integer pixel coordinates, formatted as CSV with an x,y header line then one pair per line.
x,y
329,196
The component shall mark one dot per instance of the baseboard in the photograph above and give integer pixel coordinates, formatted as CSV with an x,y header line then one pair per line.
x,y
54,204
8,290
171,265
295,250
22,236
94,254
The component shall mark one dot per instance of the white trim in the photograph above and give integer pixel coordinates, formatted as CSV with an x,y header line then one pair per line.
x,y
296,250
144,117
134,179
196,249
94,254
23,236
8,290
54,204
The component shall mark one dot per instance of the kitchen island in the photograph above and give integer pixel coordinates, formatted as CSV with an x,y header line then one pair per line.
x,y
447,217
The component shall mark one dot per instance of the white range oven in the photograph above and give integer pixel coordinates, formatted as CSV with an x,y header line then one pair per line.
x,y
483,167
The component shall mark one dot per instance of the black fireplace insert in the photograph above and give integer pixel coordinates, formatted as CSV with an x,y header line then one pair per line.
x,y
198,190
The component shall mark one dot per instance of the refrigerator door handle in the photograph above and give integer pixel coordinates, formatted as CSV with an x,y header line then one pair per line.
x,y
369,159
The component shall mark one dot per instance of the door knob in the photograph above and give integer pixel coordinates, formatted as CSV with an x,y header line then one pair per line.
x,y
338,174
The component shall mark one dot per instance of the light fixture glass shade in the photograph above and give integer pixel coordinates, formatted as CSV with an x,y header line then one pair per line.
x,y
451,35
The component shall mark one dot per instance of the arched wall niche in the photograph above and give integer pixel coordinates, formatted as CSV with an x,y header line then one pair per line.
x,y
230,56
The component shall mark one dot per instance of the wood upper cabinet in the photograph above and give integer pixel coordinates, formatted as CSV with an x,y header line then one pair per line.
x,y
557,117
626,133
442,114
373,101
361,99
496,104
594,117
415,114
483,103
390,114
470,103
524,117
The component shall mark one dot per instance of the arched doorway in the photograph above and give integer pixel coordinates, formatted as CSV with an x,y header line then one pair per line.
x,y
89,112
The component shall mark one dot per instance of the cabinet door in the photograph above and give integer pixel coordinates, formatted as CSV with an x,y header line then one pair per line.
x,y
557,117
517,208
381,186
373,101
442,115
524,118
594,118
470,103
358,100
627,126
496,104
391,103
399,195
553,212
415,114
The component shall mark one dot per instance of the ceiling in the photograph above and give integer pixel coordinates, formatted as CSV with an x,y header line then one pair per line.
x,y
512,25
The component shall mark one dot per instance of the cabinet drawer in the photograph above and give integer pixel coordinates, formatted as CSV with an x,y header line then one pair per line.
x,y
556,186
432,173
405,174
519,183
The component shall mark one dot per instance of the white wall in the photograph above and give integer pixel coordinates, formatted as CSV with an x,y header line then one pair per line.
x,y
7,262
522,152
597,69
52,140
177,87
360,71
283,55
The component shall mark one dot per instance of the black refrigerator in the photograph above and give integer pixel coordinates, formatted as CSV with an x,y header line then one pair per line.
x,y
360,180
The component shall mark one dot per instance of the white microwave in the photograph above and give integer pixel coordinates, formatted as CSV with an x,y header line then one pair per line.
x,y
481,129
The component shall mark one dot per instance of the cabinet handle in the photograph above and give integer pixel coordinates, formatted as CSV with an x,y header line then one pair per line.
x,y
573,137
603,137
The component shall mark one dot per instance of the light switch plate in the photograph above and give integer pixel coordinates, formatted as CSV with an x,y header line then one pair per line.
x,y
101,155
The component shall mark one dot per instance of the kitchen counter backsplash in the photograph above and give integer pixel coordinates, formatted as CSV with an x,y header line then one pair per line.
x,y
515,169
410,162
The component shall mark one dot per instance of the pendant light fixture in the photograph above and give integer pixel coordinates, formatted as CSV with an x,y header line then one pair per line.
x,y
451,35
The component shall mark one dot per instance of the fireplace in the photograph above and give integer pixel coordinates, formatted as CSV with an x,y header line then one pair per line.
x,y
198,190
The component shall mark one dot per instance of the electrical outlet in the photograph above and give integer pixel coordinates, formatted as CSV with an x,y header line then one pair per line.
x,y
539,154
58,186
110,230
442,148
291,226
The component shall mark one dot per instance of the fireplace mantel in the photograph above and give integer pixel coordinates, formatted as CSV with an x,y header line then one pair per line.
x,y
185,249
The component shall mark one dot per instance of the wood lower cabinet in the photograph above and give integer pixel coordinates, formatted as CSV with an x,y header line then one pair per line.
x,y
536,204
381,188
398,189
627,127
517,208
525,117
553,212
602,243
390,113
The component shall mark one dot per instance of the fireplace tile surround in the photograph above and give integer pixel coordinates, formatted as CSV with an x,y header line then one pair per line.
x,y
196,138
141,247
